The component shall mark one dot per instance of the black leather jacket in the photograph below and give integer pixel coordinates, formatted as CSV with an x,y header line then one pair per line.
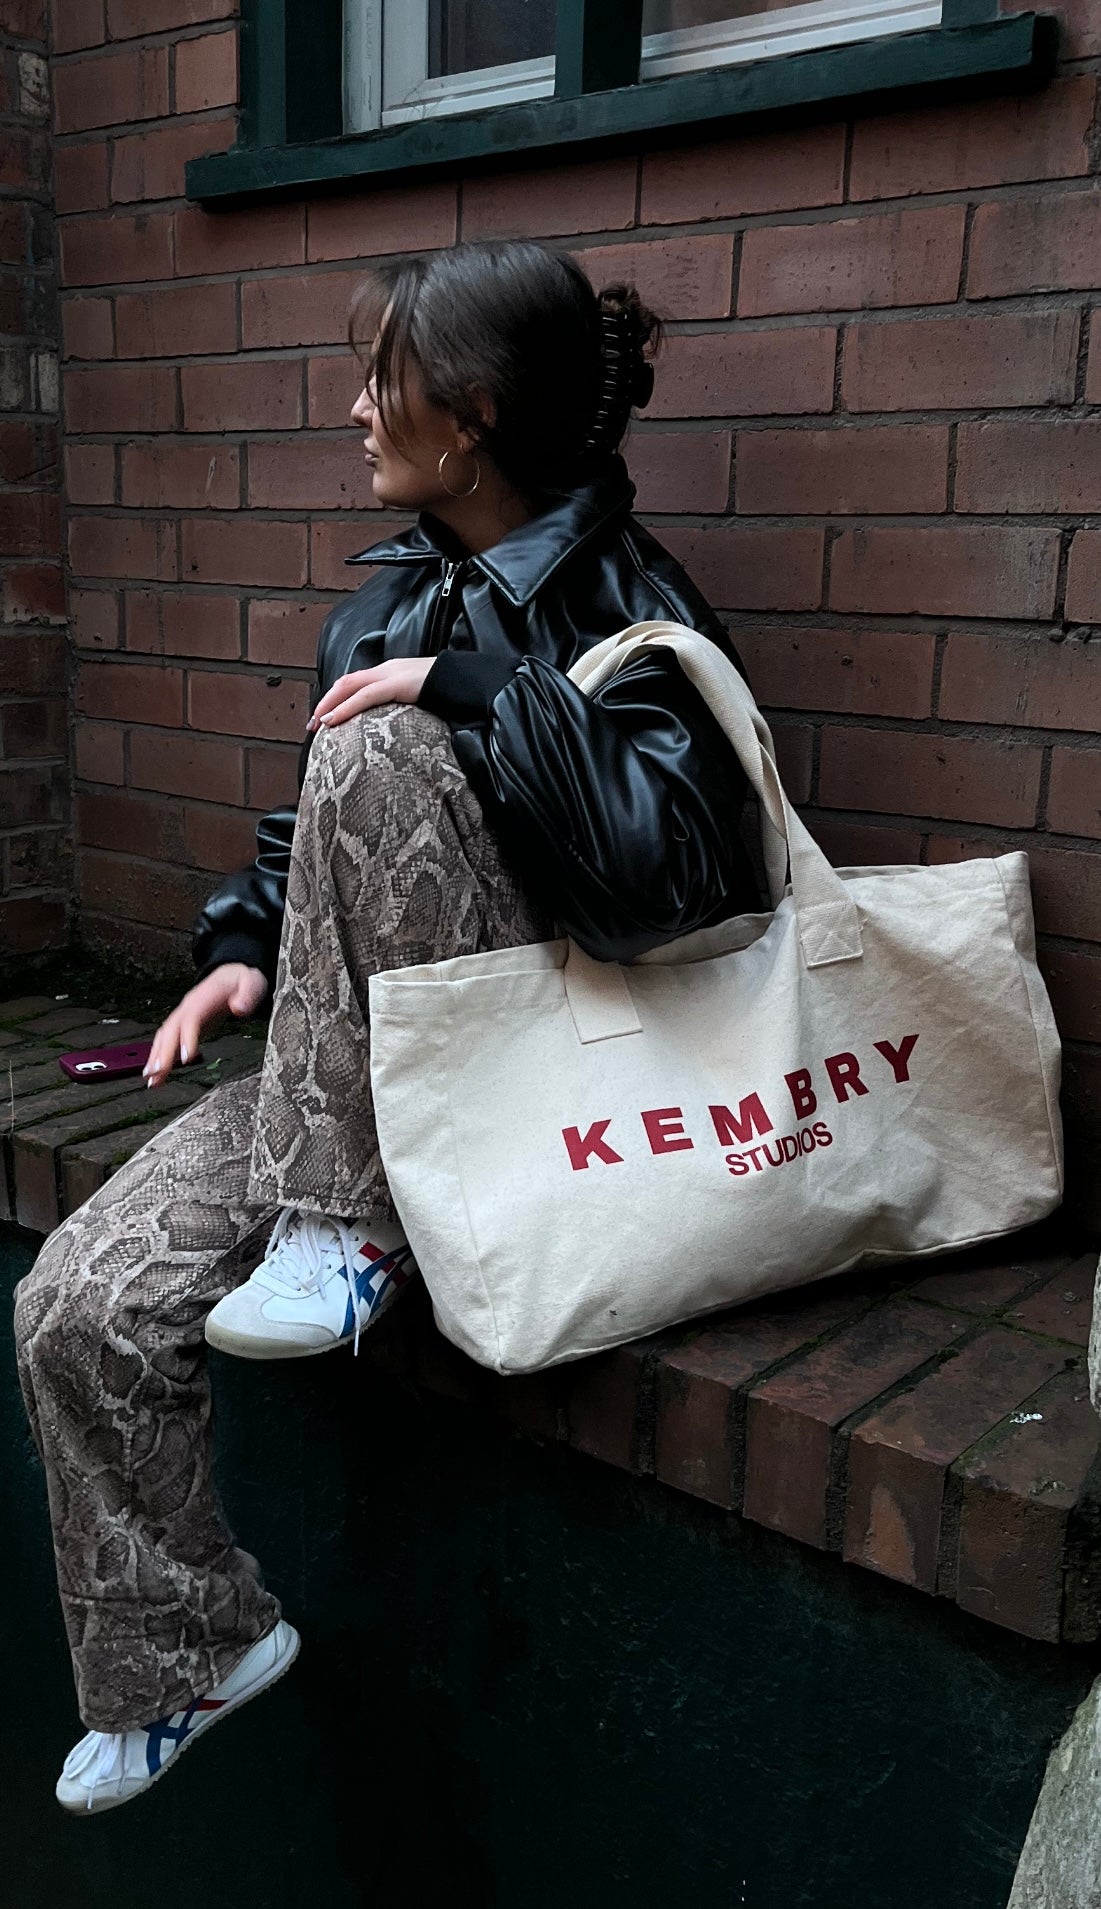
x,y
620,812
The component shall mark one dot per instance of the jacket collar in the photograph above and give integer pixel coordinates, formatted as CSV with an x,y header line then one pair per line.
x,y
521,563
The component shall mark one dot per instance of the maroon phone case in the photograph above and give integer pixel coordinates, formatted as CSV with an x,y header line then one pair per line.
x,y
111,1063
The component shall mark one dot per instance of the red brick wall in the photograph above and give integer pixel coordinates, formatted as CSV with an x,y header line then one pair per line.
x,y
872,443
35,842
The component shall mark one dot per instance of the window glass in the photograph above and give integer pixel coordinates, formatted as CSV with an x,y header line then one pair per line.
x,y
464,35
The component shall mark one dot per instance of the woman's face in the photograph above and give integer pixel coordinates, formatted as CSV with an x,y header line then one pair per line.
x,y
409,478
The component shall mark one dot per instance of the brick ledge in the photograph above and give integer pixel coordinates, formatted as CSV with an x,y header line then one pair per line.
x,y
932,1425
935,1429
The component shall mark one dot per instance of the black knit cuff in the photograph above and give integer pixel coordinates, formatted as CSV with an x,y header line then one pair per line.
x,y
462,686
238,946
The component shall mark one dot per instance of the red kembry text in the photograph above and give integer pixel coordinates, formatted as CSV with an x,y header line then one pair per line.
x,y
665,1130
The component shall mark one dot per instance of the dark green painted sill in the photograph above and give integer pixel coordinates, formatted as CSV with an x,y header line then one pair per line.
x,y
990,54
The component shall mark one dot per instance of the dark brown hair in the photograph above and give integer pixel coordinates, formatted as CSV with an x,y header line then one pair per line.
x,y
518,323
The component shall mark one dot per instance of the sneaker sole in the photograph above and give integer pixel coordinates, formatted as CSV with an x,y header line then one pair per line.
x,y
248,1346
224,1339
270,1677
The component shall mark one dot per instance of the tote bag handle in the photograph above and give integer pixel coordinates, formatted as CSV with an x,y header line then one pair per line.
x,y
826,915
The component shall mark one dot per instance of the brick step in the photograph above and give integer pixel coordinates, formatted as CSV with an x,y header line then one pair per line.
x,y
930,1424
62,1138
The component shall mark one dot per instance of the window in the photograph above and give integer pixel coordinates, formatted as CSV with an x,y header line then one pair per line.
x,y
339,90
407,59
689,36
413,59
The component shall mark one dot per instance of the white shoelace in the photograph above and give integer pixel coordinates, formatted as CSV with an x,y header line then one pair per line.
x,y
298,1261
94,1758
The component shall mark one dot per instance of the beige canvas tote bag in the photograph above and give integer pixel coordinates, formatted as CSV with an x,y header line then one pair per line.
x,y
582,1152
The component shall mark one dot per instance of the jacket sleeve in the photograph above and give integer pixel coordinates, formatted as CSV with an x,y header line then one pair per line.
x,y
620,811
243,919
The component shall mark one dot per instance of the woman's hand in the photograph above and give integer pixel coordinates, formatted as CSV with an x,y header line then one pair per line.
x,y
234,985
398,681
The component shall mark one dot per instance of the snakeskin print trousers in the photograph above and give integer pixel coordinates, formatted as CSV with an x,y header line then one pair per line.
x,y
391,864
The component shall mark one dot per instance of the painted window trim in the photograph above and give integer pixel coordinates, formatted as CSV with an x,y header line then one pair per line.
x,y
292,94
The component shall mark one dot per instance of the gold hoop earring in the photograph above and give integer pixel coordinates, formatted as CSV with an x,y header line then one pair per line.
x,y
446,485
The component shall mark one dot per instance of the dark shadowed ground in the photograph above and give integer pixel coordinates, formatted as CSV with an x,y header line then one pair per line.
x,y
529,1681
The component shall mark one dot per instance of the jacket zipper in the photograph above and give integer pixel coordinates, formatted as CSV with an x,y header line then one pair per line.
x,y
439,618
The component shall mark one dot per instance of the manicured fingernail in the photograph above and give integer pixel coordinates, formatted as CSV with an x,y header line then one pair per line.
x,y
183,1053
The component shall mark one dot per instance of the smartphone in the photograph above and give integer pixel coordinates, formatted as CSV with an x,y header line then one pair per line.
x,y
111,1063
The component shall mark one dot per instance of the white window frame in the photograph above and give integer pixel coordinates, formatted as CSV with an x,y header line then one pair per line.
x,y
386,59
386,79
795,29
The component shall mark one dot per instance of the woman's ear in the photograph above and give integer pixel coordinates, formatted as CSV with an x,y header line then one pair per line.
x,y
482,403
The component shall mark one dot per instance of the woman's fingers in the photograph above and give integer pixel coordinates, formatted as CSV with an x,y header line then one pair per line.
x,y
339,691
169,1041
162,1056
398,680
180,1034
368,698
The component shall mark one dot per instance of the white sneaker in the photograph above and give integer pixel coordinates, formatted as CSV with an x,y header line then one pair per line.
x,y
105,1769
319,1284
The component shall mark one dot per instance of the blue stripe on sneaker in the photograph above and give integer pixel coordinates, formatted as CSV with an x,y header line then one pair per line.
x,y
158,1732
393,1262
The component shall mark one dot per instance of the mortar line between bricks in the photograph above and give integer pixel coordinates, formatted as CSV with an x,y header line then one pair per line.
x,y
837,1470
1081,369
861,1309
1061,570
848,422
993,1432
940,649
969,217
948,1470
1053,520
1036,305
953,455
938,727
992,833
769,324
159,586
829,541
947,1563
735,271
140,42
1050,943
894,622
1080,410
1093,137
1050,520
1016,191
142,129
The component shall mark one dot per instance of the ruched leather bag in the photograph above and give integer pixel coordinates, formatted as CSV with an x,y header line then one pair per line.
x,y
583,1152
